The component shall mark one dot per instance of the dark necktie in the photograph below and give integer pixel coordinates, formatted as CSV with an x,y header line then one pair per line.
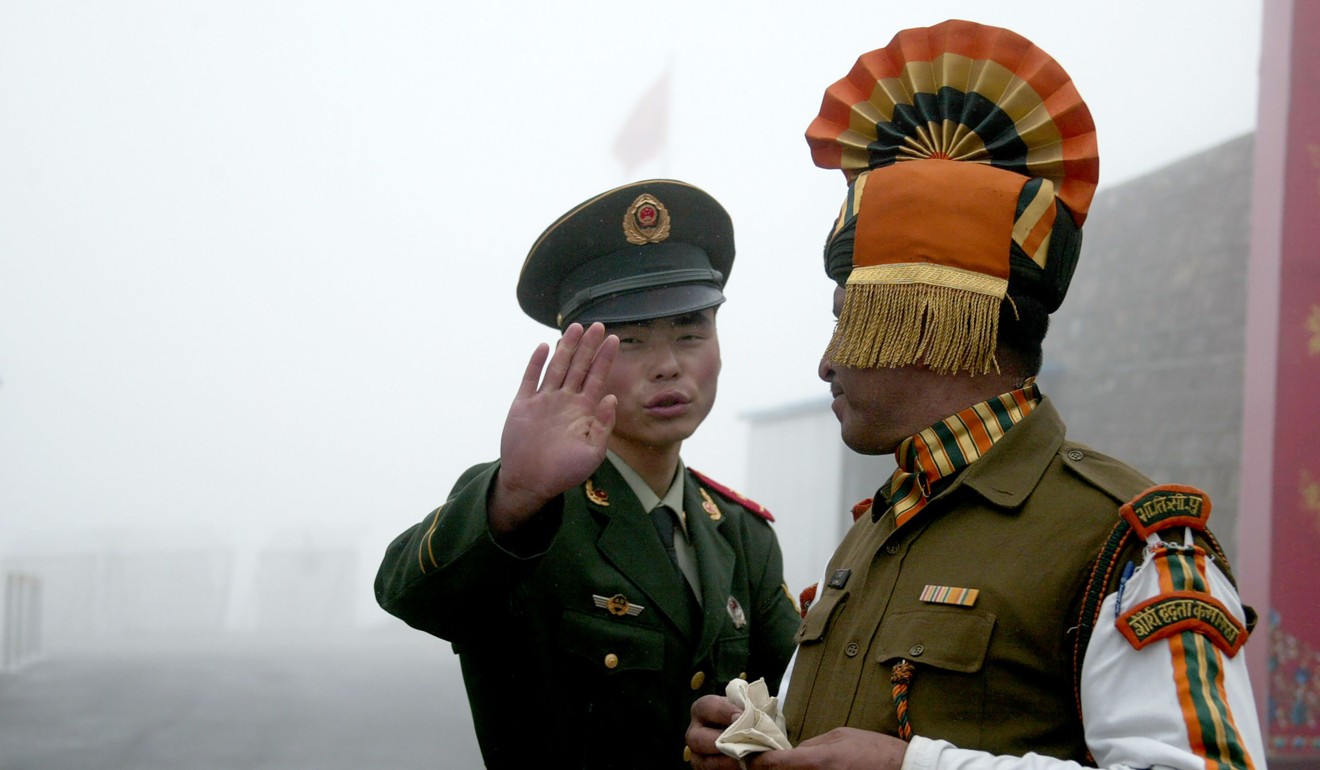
x,y
663,518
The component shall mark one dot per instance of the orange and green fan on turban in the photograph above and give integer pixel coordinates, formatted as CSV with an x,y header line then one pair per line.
x,y
971,161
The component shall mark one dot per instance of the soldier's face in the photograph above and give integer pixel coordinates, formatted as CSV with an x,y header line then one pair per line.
x,y
876,408
665,378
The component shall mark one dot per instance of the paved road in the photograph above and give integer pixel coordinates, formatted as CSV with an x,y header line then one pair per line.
x,y
384,699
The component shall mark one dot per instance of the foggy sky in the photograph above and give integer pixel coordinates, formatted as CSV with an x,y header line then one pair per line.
x,y
257,259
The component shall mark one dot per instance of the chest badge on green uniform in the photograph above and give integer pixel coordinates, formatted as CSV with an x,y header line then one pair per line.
x,y
736,613
617,604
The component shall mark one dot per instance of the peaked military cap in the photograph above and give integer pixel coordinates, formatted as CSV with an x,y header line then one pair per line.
x,y
649,249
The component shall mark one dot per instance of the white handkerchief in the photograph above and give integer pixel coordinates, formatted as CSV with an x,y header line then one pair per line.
x,y
759,728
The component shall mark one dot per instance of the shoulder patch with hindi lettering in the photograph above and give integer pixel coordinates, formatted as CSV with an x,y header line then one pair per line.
x,y
1178,611
1165,506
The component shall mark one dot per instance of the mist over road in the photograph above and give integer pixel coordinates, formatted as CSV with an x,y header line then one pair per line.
x,y
384,698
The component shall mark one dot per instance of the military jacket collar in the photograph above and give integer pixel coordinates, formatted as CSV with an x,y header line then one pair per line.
x,y
628,542
1013,467
715,561
645,495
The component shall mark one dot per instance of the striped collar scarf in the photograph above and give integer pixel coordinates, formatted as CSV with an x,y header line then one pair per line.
x,y
931,458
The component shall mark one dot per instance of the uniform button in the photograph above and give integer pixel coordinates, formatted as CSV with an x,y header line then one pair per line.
x,y
611,660
1075,454
698,679
851,650
892,549
916,650
742,675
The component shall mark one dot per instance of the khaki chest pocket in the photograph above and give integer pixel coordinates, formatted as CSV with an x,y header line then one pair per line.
x,y
950,639
610,646
949,648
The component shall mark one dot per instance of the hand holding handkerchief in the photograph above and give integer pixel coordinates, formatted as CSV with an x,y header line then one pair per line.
x,y
759,728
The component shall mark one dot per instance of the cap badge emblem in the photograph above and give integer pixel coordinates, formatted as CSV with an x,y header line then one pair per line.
x,y
647,221
617,604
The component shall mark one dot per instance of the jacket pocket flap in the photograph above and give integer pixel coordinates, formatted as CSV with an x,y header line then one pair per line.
x,y
819,616
955,639
612,644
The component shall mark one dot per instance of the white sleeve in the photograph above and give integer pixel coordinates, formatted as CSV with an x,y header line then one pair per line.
x,y
926,754
1183,700
1180,700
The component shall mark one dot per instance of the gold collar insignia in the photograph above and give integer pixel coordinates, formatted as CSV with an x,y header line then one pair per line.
x,y
708,505
598,496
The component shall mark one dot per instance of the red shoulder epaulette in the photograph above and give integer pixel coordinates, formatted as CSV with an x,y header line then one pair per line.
x,y
745,502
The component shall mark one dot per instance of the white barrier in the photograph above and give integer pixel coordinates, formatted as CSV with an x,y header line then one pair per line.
x,y
22,620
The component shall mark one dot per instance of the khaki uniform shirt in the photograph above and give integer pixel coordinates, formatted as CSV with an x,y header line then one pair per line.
x,y
1021,525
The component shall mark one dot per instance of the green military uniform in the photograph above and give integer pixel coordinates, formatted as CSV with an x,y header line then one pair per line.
x,y
557,673
583,643
1022,525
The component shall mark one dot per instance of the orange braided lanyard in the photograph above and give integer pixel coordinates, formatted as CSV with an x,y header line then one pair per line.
x,y
901,678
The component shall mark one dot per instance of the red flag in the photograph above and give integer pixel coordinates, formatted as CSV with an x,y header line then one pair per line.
x,y
646,130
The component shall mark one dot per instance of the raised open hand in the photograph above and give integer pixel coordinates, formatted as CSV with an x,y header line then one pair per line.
x,y
554,436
